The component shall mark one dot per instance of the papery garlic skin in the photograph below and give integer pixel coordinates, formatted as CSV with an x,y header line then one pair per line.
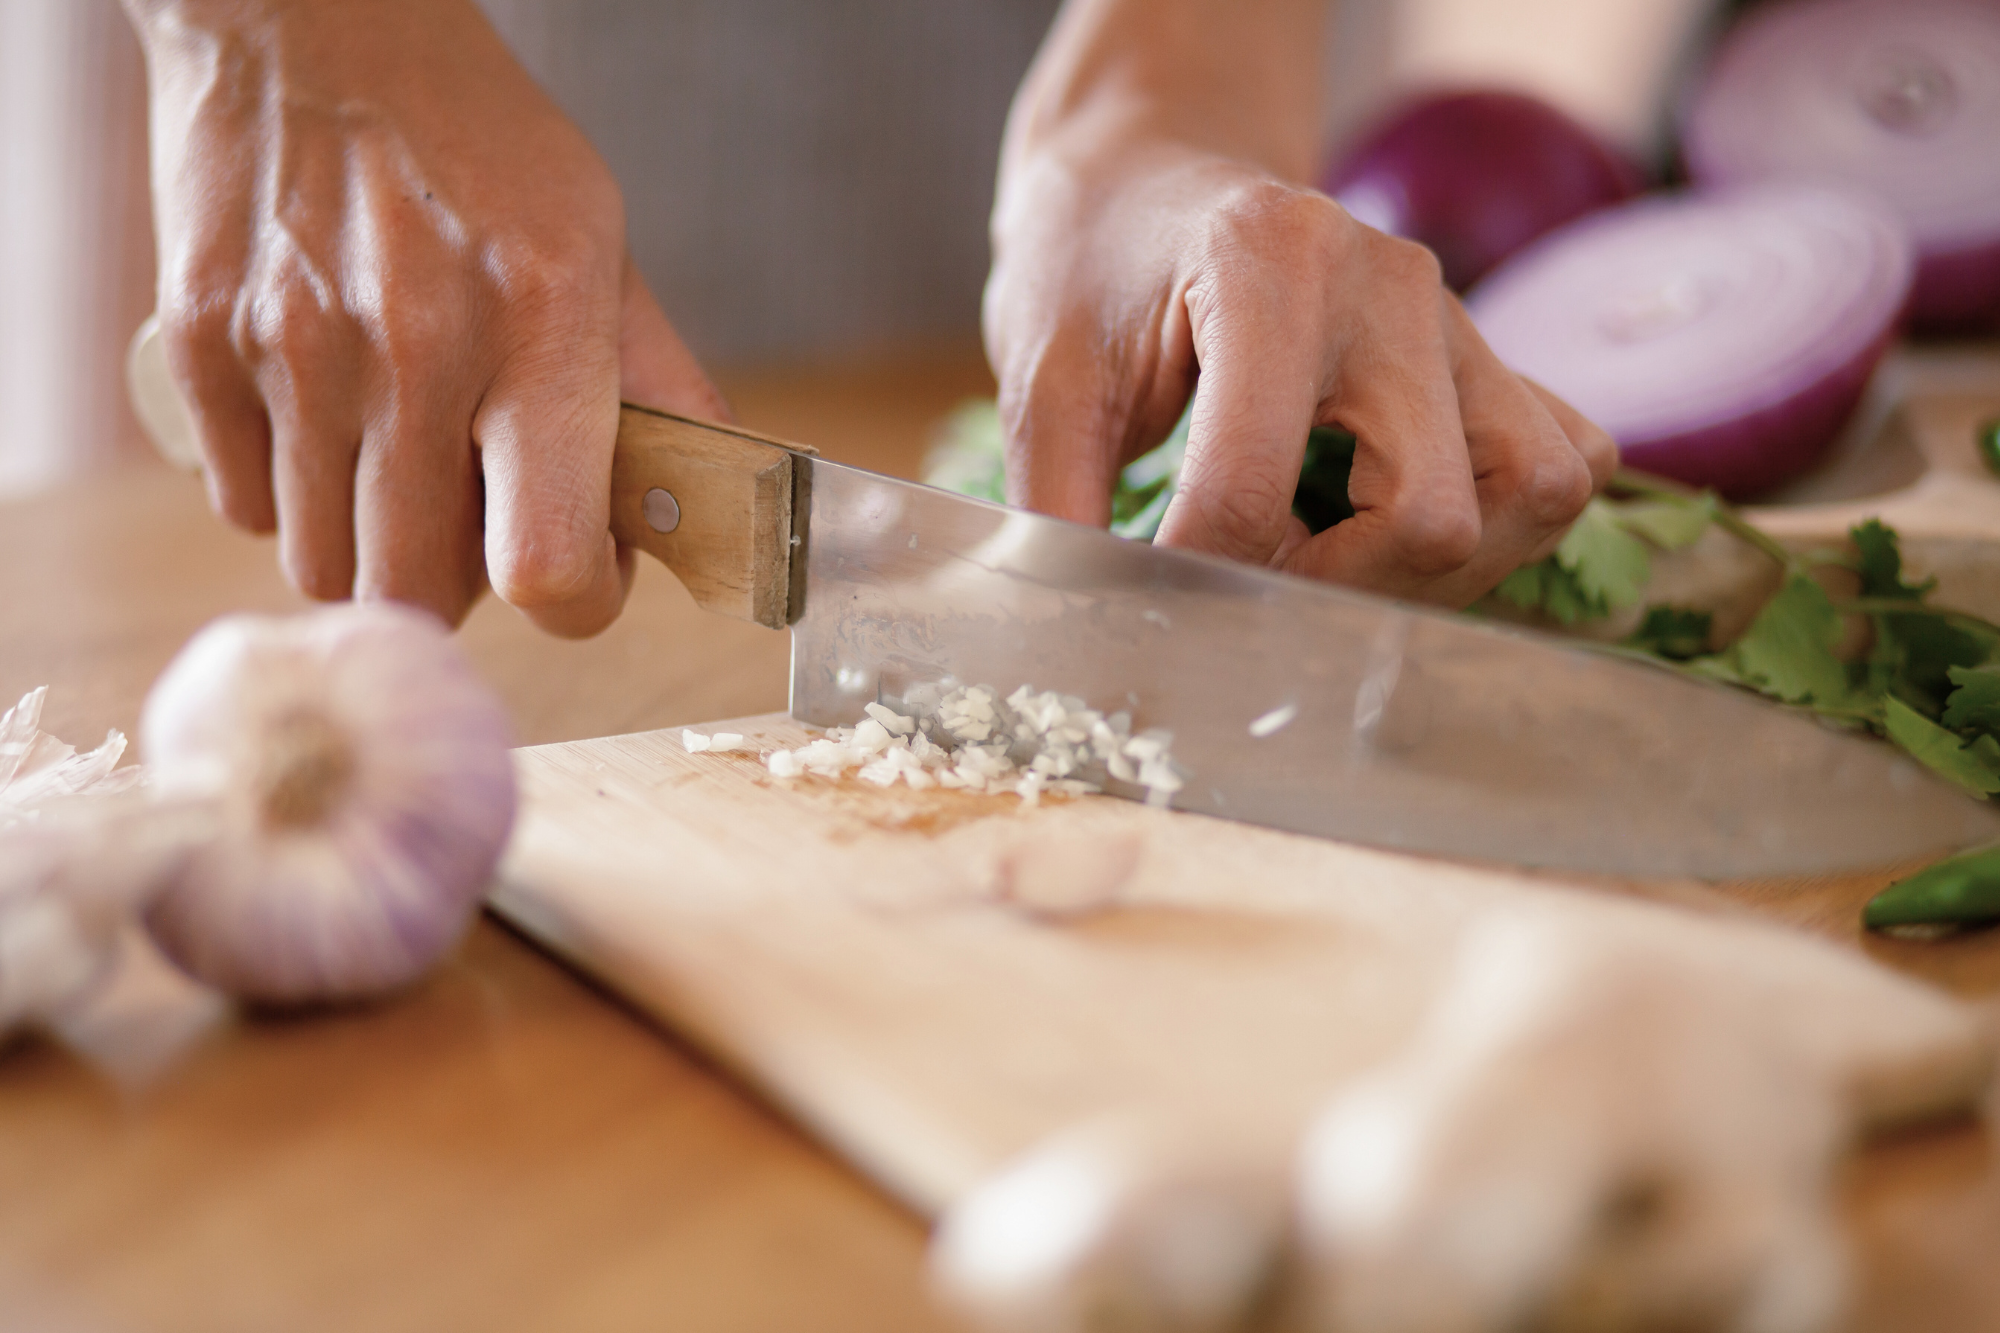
x,y
366,791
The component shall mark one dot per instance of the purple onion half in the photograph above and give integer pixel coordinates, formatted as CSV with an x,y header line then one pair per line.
x,y
1900,98
1475,176
1721,339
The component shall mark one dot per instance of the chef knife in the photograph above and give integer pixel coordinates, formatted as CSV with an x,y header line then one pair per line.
x,y
1293,704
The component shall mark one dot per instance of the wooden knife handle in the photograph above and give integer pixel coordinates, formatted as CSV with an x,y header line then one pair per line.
x,y
713,503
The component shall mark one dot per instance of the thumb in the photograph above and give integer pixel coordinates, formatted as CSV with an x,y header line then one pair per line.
x,y
655,368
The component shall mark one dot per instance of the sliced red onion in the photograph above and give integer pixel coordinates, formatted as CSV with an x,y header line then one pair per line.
x,y
1477,175
1721,339
1897,97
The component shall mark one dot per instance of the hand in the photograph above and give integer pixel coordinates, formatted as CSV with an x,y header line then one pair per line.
x,y
395,293
1140,258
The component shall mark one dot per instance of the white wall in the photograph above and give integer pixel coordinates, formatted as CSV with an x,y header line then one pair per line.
x,y
75,240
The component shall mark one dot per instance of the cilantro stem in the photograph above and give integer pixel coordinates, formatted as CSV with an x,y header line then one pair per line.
x,y
1659,488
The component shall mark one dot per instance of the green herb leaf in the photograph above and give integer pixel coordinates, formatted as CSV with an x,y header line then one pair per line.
x,y
1915,651
1146,485
1962,888
1523,588
1676,633
1788,650
1975,767
1881,566
967,453
1975,704
1610,565
1670,523
1989,445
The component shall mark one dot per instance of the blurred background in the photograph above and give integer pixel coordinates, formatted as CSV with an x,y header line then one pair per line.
x,y
806,181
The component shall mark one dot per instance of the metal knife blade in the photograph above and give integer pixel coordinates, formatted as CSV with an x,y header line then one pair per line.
x,y
1413,729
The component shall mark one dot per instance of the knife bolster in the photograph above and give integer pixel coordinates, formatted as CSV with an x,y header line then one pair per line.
x,y
732,547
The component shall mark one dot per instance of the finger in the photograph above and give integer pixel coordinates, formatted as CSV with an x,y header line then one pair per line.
x,y
1254,403
417,501
316,443
1592,441
545,431
1532,481
655,368
1062,428
231,428
1417,511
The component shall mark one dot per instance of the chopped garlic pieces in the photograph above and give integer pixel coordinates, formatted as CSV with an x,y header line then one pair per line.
x,y
966,739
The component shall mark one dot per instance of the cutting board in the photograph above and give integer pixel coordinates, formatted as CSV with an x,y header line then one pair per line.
x,y
934,981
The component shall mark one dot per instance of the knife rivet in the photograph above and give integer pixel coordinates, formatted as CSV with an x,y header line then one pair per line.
x,y
663,512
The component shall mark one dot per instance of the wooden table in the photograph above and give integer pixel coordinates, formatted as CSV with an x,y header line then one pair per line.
x,y
508,1147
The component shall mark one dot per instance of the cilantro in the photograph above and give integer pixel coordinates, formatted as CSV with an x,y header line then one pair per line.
x,y
1549,588
1787,652
1605,560
1915,651
1974,766
1974,704
1989,445
1929,681
967,454
1609,564
1129,504
1881,564
1670,524
1676,633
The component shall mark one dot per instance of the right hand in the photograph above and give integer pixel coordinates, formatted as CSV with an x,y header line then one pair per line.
x,y
395,293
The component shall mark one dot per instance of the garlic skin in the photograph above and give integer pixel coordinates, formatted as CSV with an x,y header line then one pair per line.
x,y
364,788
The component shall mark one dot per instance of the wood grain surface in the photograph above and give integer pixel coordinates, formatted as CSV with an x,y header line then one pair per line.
x,y
730,543
506,1147
937,981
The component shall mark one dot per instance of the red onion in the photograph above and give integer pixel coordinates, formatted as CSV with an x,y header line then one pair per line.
x,y
1477,175
1722,340
1897,97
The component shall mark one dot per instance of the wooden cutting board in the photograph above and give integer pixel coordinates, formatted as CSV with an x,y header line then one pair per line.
x,y
933,981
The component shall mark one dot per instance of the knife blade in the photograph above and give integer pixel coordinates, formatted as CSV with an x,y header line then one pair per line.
x,y
1375,721
1401,727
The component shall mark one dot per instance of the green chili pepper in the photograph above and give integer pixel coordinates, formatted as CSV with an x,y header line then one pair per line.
x,y
1961,889
1989,445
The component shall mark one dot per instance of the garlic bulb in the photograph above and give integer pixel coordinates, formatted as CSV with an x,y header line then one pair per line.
x,y
363,788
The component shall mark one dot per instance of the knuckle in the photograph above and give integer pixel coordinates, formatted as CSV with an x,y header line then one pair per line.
x,y
286,322
1600,452
1432,538
1407,262
241,502
550,275
193,330
1237,509
1272,220
315,576
537,575
1556,490
418,335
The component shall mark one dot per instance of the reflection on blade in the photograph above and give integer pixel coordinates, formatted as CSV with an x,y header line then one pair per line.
x,y
1396,726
